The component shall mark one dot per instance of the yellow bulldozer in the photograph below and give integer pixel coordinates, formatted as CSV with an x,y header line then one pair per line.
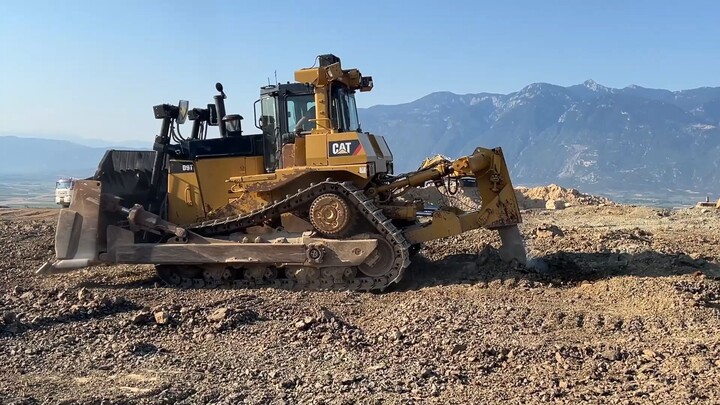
x,y
309,202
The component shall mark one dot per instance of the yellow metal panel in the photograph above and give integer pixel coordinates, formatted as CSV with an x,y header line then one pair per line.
x,y
212,173
309,75
316,150
271,181
254,165
185,204
300,159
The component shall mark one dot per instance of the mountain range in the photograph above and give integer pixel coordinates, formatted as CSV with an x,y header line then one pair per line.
x,y
596,138
36,158
587,135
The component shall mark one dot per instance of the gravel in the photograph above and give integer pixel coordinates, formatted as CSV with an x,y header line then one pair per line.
x,y
621,305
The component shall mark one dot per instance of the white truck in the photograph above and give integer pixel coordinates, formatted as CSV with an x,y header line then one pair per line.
x,y
63,192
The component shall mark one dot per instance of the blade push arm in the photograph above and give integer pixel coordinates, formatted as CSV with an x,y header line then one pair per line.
x,y
499,207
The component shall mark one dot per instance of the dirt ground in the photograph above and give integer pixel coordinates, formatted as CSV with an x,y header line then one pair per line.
x,y
622,306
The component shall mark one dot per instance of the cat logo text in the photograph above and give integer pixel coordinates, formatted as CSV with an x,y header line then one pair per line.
x,y
345,148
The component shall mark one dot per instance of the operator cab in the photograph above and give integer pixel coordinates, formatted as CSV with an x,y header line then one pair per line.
x,y
286,111
289,110
296,103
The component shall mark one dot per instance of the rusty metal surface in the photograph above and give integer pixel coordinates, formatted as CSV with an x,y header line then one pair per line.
x,y
76,236
331,215
335,253
82,243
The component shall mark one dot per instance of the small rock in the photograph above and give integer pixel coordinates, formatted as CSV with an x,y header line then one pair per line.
x,y
84,294
9,317
141,318
396,335
28,295
347,380
304,324
118,300
548,231
17,290
651,354
162,317
461,347
325,315
611,354
485,254
106,301
426,373
218,315
555,204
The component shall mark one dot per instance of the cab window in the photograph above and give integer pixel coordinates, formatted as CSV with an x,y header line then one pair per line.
x,y
301,112
344,110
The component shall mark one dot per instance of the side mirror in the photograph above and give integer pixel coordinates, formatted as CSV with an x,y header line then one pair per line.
x,y
219,88
183,107
212,115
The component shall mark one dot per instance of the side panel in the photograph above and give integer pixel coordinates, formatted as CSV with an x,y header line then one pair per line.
x,y
300,159
185,203
212,173
316,150
382,157
254,165
347,148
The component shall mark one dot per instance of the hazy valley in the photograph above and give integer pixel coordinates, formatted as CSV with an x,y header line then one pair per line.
x,y
636,145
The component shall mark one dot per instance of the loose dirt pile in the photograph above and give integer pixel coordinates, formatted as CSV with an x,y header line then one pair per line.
x,y
468,197
623,306
541,197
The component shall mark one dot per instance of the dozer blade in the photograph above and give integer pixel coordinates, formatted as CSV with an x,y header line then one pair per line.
x,y
499,211
76,235
88,233
513,245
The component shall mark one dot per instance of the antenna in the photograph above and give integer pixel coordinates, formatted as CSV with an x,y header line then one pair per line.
x,y
276,82
268,80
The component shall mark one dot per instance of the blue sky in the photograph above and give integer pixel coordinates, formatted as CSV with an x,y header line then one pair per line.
x,y
93,69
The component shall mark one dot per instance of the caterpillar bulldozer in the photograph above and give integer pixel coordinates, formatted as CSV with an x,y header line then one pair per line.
x,y
309,202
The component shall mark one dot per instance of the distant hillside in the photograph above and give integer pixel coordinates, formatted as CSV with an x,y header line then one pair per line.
x,y
587,136
33,157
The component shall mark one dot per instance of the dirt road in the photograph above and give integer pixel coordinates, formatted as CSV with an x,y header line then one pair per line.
x,y
622,307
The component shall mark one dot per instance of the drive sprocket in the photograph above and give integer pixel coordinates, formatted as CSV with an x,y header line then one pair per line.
x,y
331,215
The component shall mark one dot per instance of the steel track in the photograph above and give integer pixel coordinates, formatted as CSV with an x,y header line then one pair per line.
x,y
356,197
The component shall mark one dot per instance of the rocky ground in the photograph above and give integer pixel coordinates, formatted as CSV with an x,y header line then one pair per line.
x,y
622,306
